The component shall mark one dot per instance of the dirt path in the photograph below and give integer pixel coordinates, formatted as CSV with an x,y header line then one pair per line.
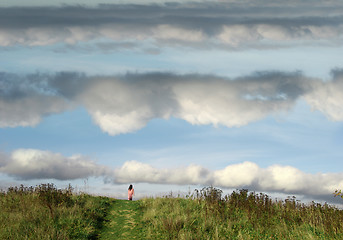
x,y
124,221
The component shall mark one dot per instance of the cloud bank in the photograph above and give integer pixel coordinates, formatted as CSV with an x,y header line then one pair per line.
x,y
276,178
230,25
126,103
37,164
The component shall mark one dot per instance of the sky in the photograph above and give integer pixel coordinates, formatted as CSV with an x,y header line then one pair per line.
x,y
173,96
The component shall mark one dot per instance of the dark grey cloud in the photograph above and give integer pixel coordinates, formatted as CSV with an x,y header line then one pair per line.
x,y
337,74
3,159
189,14
25,100
125,103
199,24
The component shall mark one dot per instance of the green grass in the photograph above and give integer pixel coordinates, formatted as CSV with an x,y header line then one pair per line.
x,y
124,221
241,215
45,212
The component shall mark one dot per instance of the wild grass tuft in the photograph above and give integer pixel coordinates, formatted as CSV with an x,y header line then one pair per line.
x,y
206,214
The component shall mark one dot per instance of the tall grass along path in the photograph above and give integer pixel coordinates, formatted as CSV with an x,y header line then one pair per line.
x,y
48,213
124,221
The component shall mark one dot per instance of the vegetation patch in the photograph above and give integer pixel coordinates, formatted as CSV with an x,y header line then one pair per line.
x,y
45,212
124,221
241,215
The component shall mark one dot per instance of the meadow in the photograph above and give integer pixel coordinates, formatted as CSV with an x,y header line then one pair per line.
x,y
206,214
45,212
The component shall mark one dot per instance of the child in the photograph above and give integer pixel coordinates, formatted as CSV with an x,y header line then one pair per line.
x,y
130,192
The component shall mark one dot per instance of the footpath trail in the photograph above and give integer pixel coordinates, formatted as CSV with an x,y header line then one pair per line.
x,y
124,221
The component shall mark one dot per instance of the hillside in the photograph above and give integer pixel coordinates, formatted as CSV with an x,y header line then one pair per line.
x,y
45,212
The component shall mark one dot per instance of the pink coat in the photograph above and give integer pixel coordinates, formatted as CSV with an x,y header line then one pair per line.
x,y
130,194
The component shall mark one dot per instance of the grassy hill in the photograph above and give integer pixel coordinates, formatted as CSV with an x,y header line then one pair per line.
x,y
45,212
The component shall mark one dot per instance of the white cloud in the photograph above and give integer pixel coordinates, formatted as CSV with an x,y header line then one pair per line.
x,y
237,34
288,179
236,175
327,97
119,107
125,104
168,32
221,102
273,32
122,104
38,164
133,171
276,178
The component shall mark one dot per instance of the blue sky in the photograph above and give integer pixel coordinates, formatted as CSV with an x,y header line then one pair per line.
x,y
173,96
